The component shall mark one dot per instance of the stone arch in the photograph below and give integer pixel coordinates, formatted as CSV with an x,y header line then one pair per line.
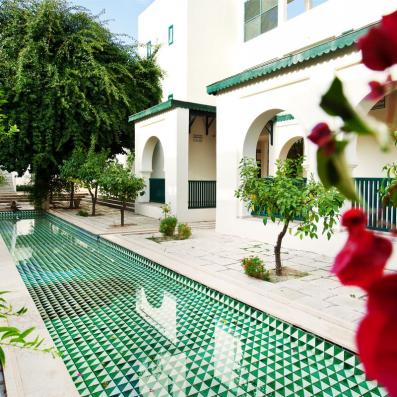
x,y
147,153
363,148
254,131
289,145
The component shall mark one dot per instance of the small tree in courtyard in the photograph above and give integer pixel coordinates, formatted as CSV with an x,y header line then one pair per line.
x,y
92,170
71,169
287,197
119,182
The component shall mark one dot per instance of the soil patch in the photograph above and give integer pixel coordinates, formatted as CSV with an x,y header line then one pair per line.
x,y
287,274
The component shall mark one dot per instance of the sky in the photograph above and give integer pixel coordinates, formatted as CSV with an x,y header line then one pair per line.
x,y
121,14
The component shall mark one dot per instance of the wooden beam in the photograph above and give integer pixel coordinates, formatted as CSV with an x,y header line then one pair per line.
x,y
208,122
191,122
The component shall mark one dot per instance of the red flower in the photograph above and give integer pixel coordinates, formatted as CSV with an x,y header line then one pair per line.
x,y
378,90
364,256
354,219
379,45
377,334
322,136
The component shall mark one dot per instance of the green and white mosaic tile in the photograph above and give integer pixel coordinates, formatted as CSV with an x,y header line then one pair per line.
x,y
130,327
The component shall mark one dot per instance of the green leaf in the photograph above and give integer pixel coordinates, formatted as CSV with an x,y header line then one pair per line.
x,y
335,103
333,171
2,357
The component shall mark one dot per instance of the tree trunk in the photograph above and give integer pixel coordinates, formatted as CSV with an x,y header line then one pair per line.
x,y
277,249
122,210
94,200
71,203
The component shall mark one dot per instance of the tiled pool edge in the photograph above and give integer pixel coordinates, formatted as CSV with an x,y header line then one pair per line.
x,y
30,374
310,320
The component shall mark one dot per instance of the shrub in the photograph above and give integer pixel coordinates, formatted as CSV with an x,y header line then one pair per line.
x,y
82,213
184,231
254,267
168,225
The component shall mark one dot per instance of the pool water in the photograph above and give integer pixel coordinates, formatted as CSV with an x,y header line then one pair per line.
x,y
129,327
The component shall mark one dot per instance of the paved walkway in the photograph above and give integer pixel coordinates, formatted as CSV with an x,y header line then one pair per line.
x,y
318,297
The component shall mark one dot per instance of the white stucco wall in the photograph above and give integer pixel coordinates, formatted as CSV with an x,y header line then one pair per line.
x,y
204,45
158,161
172,130
202,152
371,160
241,115
153,26
323,22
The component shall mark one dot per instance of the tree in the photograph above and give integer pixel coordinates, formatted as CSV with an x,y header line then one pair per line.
x,y
70,171
119,182
92,170
66,78
287,197
6,131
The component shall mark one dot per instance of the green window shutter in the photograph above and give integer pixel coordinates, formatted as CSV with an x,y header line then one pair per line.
x,y
171,34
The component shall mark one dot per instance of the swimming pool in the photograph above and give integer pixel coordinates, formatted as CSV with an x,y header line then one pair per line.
x,y
129,327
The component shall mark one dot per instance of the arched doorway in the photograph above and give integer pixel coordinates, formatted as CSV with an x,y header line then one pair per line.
x,y
275,134
153,167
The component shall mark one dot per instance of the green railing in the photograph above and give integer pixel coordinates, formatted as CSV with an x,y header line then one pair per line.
x,y
157,190
380,217
202,194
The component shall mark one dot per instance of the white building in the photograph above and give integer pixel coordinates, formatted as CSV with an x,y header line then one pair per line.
x,y
245,78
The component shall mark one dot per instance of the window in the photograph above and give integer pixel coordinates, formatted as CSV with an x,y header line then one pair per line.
x,y
316,3
170,34
149,49
260,16
297,7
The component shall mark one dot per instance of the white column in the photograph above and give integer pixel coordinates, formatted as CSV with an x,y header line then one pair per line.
x,y
282,11
182,164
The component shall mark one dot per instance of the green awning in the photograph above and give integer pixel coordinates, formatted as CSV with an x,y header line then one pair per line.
x,y
171,104
346,40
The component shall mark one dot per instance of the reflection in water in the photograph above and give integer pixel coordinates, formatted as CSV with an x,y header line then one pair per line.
x,y
227,356
162,318
164,376
25,227
130,327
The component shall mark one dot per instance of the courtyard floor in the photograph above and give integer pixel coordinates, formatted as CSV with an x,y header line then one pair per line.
x,y
316,302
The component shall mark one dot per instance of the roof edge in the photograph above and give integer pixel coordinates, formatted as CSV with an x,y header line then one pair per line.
x,y
168,105
345,40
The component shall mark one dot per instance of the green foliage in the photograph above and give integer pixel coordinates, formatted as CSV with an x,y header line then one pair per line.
x,y
254,267
166,209
13,337
70,170
388,189
287,197
335,103
66,78
119,182
6,131
332,168
91,171
24,188
2,178
184,231
168,225
83,213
